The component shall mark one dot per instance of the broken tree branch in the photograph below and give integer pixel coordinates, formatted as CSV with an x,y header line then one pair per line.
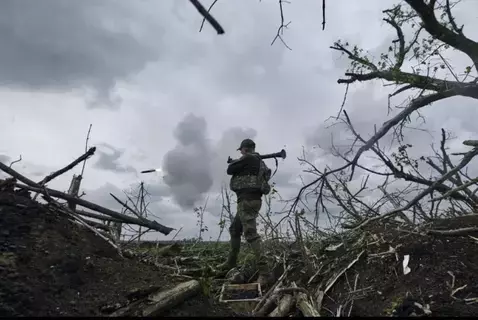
x,y
455,232
16,161
283,307
466,159
35,187
452,191
162,301
55,174
206,15
456,40
86,148
100,217
127,207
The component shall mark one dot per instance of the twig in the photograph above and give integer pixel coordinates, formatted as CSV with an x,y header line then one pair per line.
x,y
175,235
15,161
207,16
333,280
452,285
86,149
136,237
463,186
456,290
127,207
355,289
208,10
282,26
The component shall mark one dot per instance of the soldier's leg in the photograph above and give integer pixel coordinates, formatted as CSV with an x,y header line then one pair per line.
x,y
248,214
235,231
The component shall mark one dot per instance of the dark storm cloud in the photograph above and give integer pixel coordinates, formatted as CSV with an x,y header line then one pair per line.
x,y
187,167
110,161
61,45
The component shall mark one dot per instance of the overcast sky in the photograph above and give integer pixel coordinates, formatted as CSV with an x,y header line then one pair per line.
x,y
161,94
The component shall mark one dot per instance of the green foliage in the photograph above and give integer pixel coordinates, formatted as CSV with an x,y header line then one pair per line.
x,y
402,158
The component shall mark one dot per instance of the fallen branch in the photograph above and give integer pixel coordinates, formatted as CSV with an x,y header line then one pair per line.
x,y
267,306
283,307
33,186
162,301
462,187
55,174
127,207
271,290
124,218
455,232
304,305
466,159
93,215
170,298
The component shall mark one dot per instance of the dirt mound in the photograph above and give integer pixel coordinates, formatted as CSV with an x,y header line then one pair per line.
x,y
443,277
50,266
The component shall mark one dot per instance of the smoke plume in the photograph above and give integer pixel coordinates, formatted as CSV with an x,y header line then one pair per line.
x,y
187,167
225,147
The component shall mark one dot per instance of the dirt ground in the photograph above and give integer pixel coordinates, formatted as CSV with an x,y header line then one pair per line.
x,y
50,266
438,266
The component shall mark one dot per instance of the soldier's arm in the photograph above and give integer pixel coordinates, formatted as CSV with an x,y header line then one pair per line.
x,y
236,166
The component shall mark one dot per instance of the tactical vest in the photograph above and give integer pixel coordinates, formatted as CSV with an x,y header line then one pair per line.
x,y
259,181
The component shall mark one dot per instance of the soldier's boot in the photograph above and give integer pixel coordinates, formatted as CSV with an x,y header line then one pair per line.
x,y
233,254
261,264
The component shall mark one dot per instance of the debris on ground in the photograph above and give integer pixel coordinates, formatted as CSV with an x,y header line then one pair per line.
x,y
53,265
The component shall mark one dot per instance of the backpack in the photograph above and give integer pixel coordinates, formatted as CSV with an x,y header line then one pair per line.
x,y
263,177
261,181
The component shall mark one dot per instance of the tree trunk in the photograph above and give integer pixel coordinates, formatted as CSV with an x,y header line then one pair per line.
x,y
161,301
73,191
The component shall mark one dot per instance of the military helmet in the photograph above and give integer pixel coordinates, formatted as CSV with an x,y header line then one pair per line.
x,y
247,143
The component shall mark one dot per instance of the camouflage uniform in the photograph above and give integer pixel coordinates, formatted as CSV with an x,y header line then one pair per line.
x,y
249,202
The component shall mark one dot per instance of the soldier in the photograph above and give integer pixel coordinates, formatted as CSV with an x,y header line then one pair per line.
x,y
249,181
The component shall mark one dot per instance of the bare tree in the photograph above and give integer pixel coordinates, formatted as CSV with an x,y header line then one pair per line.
x,y
434,30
